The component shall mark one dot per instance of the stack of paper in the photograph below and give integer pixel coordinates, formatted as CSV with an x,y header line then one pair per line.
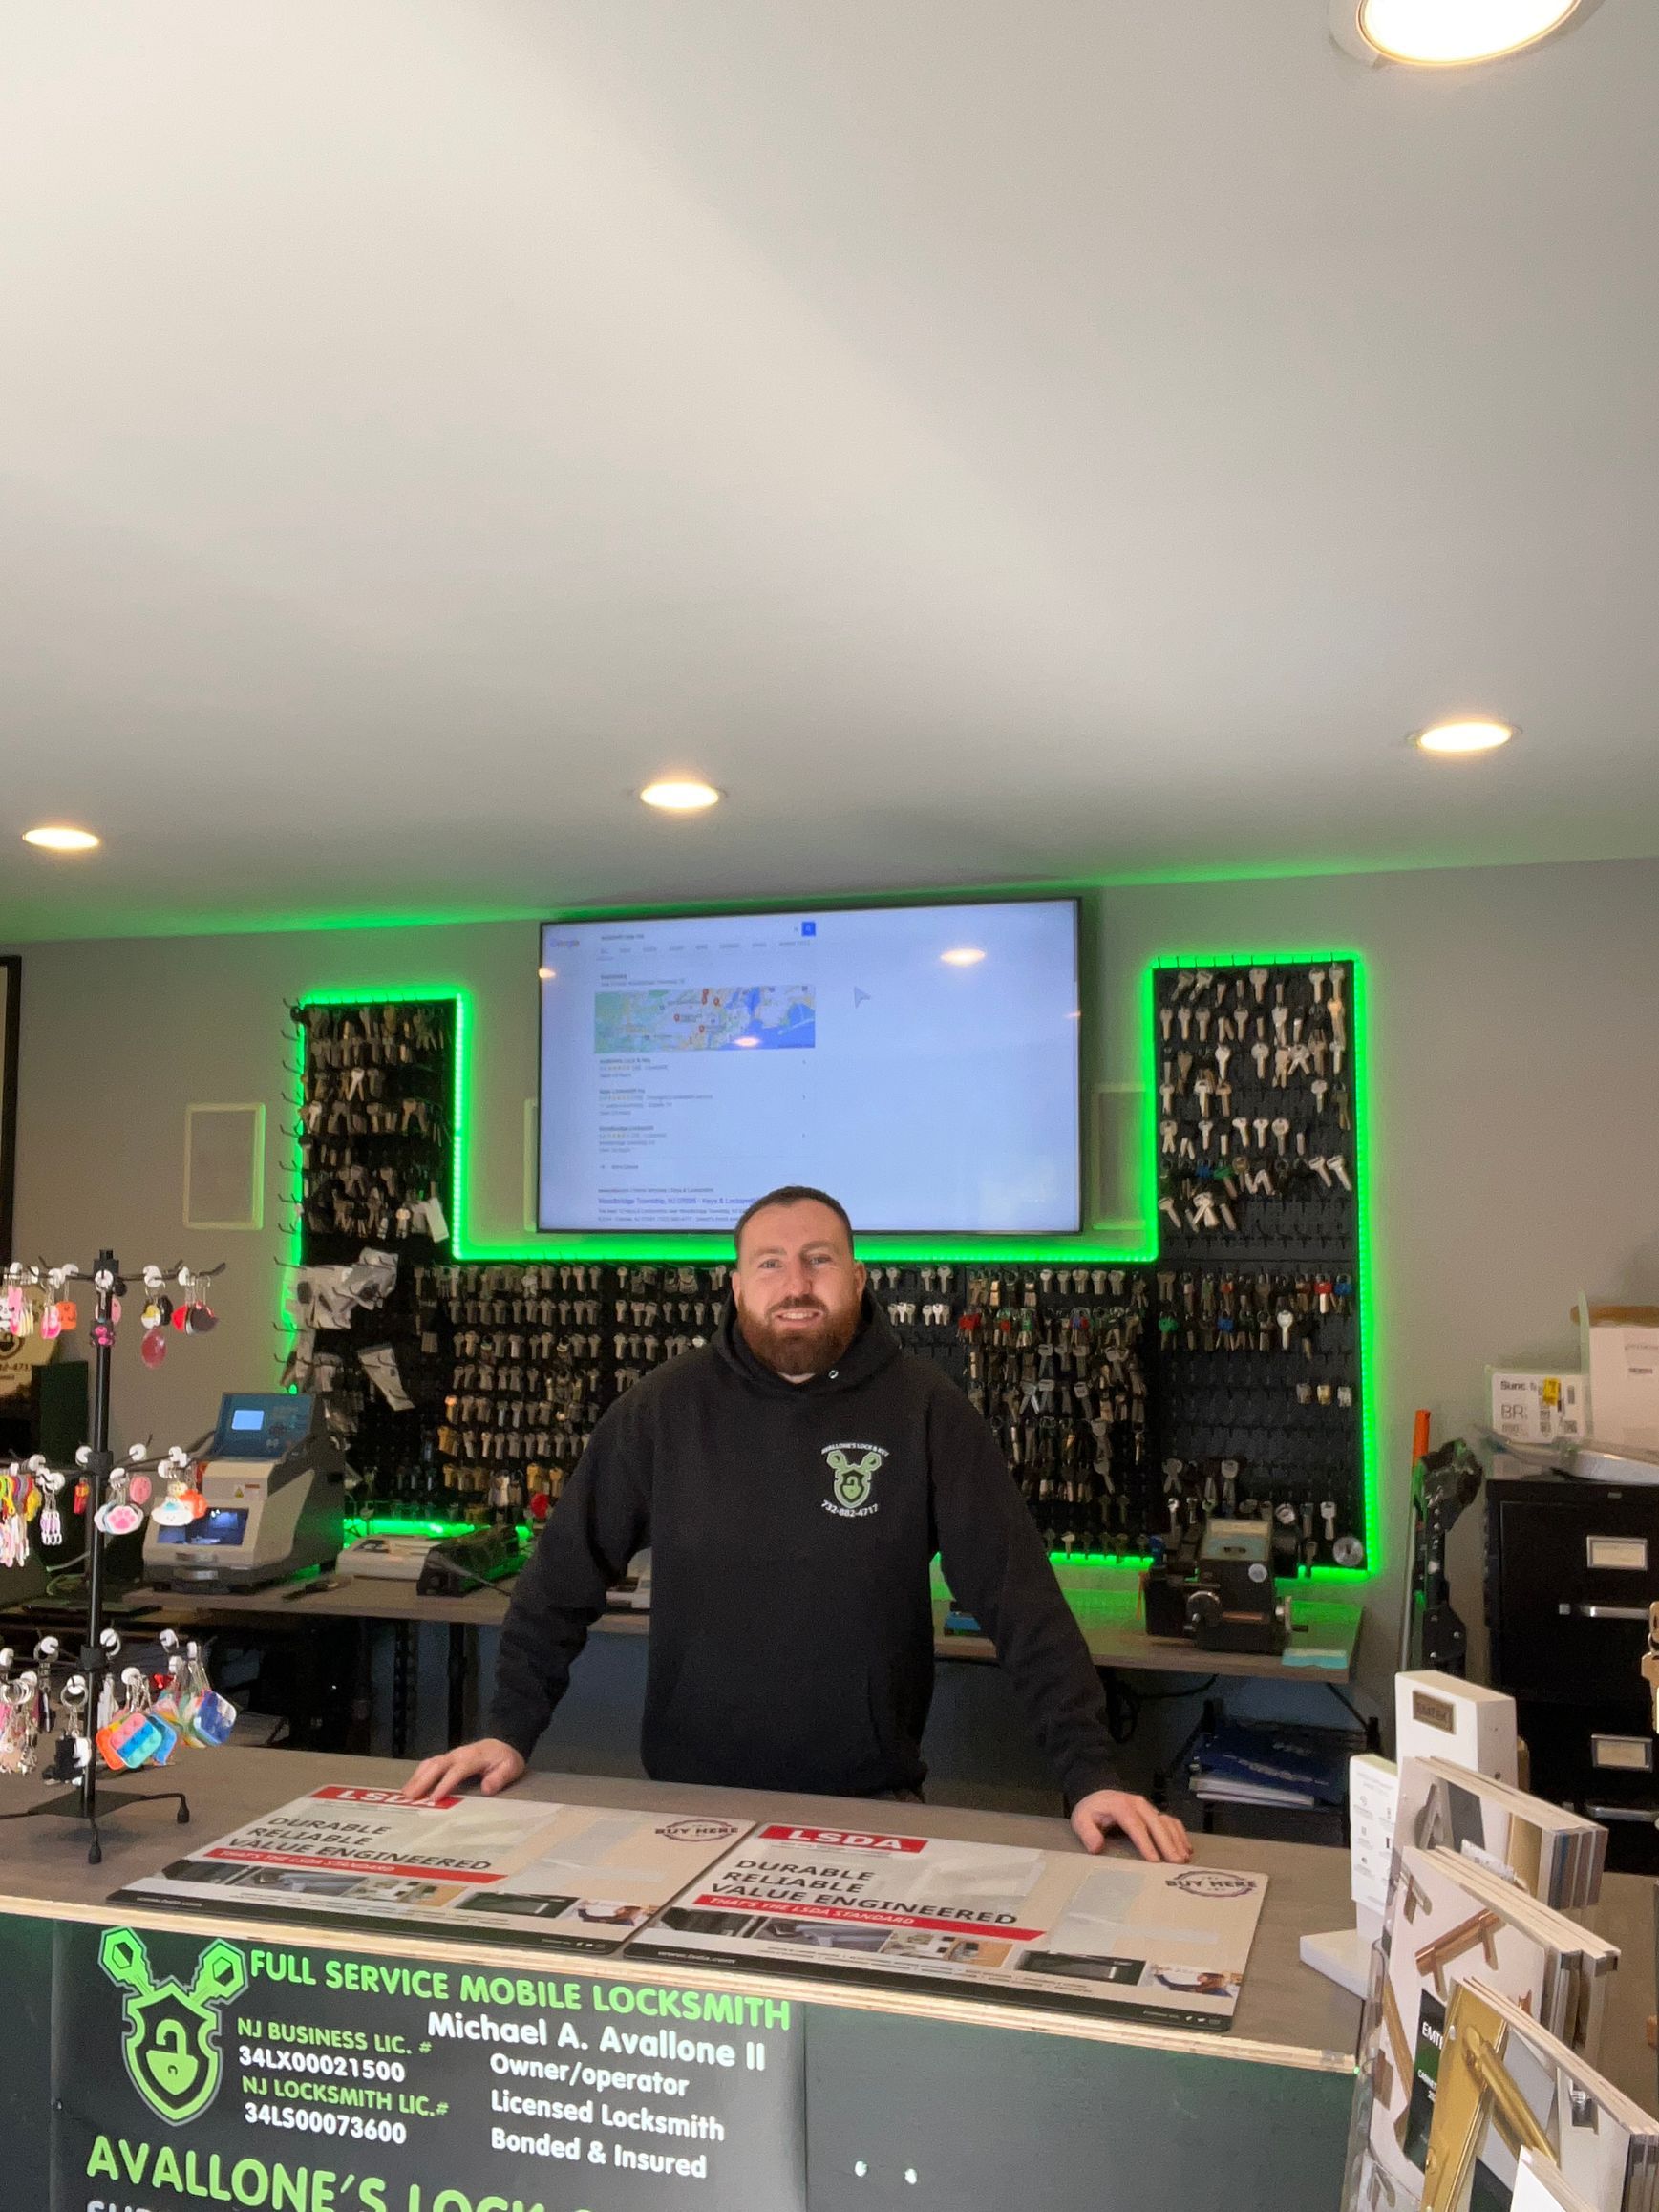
x,y
1451,1920
1521,2123
1246,1766
1555,1855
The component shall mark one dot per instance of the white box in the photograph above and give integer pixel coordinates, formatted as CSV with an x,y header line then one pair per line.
x,y
1529,1407
1374,1786
1368,1881
1441,1716
1621,1363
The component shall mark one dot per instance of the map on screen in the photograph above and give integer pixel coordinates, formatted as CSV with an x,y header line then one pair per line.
x,y
921,1062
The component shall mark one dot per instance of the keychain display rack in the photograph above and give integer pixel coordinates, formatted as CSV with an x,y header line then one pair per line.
x,y
1131,1396
103,1483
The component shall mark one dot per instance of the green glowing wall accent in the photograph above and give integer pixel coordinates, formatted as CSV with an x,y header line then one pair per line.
x,y
1365,1310
1141,1248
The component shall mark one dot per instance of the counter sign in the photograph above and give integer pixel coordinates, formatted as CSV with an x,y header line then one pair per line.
x,y
171,2042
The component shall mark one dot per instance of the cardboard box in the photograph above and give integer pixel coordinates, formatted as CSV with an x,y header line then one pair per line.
x,y
1529,1407
1621,1365
1439,1716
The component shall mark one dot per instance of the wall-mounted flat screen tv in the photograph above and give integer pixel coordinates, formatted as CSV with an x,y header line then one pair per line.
x,y
919,1061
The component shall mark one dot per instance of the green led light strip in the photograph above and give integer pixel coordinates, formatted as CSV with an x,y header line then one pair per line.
x,y
1068,1251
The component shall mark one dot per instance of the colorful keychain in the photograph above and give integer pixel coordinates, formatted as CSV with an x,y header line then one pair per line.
x,y
114,1516
208,1718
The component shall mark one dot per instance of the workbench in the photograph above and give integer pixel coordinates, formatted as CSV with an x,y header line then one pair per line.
x,y
1322,1649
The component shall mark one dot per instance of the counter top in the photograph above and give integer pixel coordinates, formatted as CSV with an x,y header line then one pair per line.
x,y
1287,2015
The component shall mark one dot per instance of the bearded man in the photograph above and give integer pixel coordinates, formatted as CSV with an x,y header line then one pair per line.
x,y
794,1481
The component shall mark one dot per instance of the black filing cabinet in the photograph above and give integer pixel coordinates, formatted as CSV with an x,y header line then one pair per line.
x,y
1571,1568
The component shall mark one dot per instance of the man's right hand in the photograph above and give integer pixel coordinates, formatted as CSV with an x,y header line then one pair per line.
x,y
494,1765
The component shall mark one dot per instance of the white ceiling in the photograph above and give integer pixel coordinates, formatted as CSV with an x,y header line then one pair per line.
x,y
995,440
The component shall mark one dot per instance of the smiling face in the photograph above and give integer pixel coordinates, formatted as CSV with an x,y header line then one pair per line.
x,y
798,1288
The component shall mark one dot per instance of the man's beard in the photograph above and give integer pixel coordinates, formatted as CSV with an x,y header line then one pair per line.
x,y
791,1352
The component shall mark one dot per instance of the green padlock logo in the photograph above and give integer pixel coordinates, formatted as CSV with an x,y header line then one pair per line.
x,y
172,2034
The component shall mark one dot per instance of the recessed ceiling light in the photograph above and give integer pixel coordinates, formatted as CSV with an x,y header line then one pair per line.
x,y
963,956
1444,34
680,794
61,837
1464,736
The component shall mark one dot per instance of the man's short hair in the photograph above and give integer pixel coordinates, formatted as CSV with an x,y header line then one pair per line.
x,y
790,1194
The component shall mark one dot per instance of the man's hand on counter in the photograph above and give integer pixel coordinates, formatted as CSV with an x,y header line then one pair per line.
x,y
1154,1835
494,1765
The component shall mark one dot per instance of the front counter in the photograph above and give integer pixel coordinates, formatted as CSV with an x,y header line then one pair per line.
x,y
327,2072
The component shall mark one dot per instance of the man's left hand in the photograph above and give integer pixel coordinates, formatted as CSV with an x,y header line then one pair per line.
x,y
1154,1835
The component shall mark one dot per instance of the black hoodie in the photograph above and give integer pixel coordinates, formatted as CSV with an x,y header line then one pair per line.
x,y
790,1527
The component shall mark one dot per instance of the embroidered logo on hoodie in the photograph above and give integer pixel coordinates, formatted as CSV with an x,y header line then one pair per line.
x,y
851,1477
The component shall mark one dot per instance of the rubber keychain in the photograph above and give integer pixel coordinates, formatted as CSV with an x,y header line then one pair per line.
x,y
141,1699
140,1488
179,1503
114,1515
8,1704
110,1645
50,1516
18,1736
10,1525
200,1318
28,1508
182,1310
74,1749
131,1738
104,1330
208,1719
169,1706
47,1653
157,1312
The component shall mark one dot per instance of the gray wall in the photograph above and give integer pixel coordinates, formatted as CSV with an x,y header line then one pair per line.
x,y
1514,1040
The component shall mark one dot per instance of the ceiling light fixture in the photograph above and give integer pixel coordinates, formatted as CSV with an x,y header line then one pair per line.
x,y
1448,34
1468,735
546,974
680,794
963,956
61,837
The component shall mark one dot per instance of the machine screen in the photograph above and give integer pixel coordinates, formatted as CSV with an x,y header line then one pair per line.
x,y
261,1424
220,1526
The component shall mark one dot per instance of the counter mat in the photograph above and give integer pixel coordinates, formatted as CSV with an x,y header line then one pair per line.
x,y
1060,1929
568,1876
1056,1929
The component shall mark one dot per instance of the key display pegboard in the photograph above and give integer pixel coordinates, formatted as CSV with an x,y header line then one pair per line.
x,y
538,1349
376,1153
1260,1269
1055,1358
1128,1394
